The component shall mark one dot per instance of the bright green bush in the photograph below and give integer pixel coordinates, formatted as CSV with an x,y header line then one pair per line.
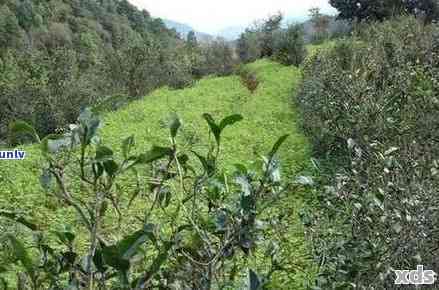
x,y
265,118
369,105
199,223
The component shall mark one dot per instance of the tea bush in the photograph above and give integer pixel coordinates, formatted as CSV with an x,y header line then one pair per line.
x,y
289,45
269,39
369,105
199,228
23,195
249,79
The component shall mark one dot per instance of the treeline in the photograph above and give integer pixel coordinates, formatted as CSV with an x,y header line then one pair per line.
x,y
369,105
269,39
285,43
58,56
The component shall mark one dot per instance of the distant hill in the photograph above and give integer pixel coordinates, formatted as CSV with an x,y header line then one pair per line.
x,y
231,33
184,29
234,32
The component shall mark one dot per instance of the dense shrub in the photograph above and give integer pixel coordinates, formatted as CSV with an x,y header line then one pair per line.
x,y
198,228
269,39
289,45
373,10
248,46
369,105
58,56
216,58
249,79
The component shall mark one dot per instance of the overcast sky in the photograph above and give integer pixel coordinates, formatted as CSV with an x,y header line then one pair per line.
x,y
211,16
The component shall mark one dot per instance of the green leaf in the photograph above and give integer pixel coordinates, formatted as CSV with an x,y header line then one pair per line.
x,y
127,145
4,283
248,203
22,128
156,264
154,154
98,169
230,120
118,256
277,145
46,179
254,281
214,128
174,125
221,221
380,195
129,246
65,237
90,123
98,260
69,258
245,184
183,160
111,167
164,197
217,129
113,258
241,168
103,153
73,285
15,217
53,143
208,164
21,255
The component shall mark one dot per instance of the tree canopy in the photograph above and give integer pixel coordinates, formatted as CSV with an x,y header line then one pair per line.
x,y
58,56
378,10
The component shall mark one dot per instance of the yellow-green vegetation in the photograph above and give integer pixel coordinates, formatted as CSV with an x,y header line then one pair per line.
x,y
268,114
312,49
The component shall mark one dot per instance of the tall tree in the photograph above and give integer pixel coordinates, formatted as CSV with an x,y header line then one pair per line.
x,y
270,26
364,10
9,28
320,23
289,45
191,40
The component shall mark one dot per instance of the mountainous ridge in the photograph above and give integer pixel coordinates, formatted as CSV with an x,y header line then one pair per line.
x,y
183,29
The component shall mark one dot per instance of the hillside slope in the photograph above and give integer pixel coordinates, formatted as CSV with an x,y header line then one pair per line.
x,y
267,116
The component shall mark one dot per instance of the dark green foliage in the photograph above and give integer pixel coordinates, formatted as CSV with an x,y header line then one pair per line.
x,y
268,39
57,57
190,236
369,105
54,58
258,41
10,32
370,10
289,45
216,58
269,28
191,40
320,24
248,46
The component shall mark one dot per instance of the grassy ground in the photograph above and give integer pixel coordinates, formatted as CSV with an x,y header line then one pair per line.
x,y
314,48
268,114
